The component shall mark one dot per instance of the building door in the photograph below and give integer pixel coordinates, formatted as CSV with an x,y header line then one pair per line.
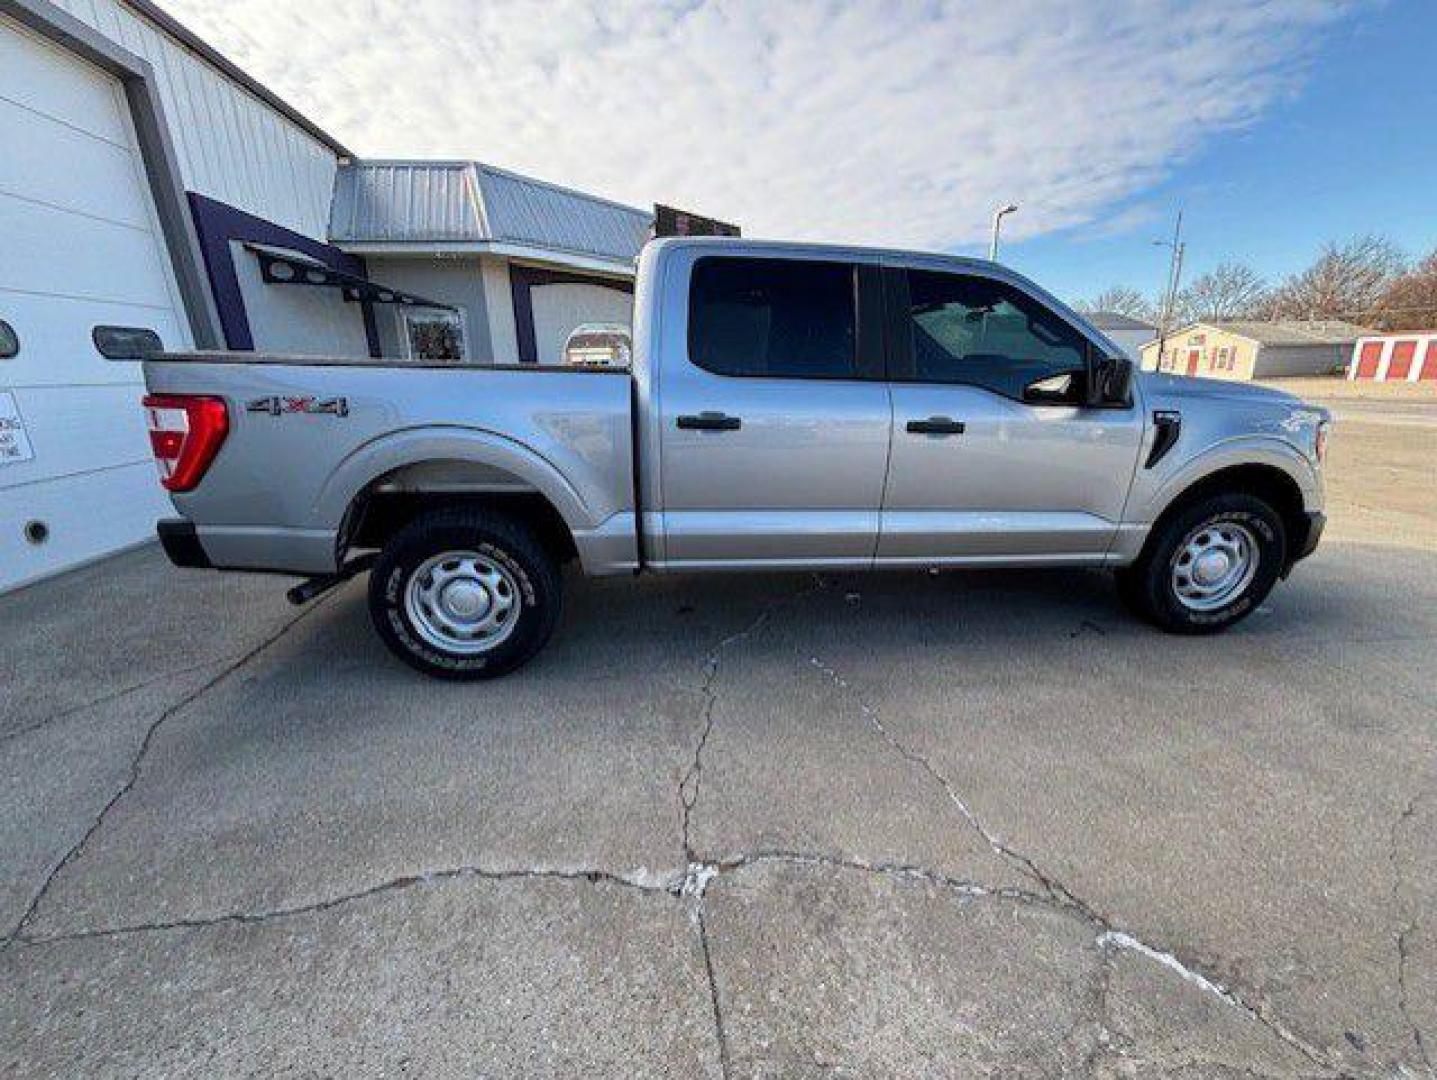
x,y
1429,362
1368,359
81,249
1193,355
1400,365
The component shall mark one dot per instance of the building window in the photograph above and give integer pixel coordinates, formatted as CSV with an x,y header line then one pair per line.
x,y
9,341
126,342
432,334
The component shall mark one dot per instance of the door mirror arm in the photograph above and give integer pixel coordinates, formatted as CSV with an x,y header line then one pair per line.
x,y
1110,383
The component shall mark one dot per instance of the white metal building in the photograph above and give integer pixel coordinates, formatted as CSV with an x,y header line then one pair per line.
x,y
152,195
110,115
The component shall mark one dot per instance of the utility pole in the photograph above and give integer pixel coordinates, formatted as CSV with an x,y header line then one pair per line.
x,y
1175,273
997,225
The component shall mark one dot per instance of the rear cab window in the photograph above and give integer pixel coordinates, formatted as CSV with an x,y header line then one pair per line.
x,y
774,318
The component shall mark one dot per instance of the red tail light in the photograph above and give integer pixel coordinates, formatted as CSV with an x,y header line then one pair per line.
x,y
186,431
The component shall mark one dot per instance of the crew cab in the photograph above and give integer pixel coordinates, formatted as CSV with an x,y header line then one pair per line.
x,y
788,407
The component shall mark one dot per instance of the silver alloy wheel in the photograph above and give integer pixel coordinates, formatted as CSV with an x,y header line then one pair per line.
x,y
1215,563
462,602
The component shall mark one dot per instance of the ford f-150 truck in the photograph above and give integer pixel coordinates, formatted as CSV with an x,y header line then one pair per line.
x,y
789,407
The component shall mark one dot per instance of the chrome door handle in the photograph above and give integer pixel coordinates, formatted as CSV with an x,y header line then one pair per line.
x,y
936,425
710,421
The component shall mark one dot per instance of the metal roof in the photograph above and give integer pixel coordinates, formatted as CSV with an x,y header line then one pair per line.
x,y
468,202
1286,331
1112,320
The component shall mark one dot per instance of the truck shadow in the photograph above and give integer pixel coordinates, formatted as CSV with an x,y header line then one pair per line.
x,y
663,626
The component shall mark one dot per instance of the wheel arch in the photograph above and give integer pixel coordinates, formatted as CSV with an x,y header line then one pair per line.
x,y
1271,483
386,484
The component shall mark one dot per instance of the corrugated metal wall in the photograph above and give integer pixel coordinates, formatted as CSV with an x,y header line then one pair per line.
x,y
230,145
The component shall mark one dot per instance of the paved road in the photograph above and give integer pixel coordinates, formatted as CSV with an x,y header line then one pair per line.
x,y
900,825
1400,413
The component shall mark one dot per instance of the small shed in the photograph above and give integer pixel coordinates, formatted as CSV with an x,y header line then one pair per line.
x,y
1242,349
1406,357
1132,334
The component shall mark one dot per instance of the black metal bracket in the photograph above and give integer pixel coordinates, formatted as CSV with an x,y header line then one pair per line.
x,y
1169,424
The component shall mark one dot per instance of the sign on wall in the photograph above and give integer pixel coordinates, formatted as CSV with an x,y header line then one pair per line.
x,y
669,221
14,441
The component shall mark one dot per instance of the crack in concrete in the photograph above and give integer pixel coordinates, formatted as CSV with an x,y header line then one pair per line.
x,y
113,696
1109,935
695,880
641,879
137,766
715,1001
701,873
691,885
996,844
1408,928
692,779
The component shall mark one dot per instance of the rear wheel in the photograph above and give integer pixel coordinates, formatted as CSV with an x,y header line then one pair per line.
x,y
1208,566
464,594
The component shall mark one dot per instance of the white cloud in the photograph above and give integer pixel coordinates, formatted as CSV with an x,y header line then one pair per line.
x,y
900,123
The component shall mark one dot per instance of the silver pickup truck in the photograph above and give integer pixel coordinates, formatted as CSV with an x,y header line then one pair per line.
x,y
789,407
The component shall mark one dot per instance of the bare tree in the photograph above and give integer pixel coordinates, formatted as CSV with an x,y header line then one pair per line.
x,y
1410,302
1345,282
1121,300
1232,290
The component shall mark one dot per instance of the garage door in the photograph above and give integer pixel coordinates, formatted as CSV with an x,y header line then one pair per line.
x,y
561,307
81,249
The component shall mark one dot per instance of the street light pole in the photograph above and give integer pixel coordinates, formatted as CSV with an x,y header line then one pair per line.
x,y
1175,272
997,225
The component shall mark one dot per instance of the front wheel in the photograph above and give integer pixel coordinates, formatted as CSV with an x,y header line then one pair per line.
x,y
1208,566
464,594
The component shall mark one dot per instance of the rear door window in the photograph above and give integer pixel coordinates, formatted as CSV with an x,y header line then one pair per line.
x,y
773,318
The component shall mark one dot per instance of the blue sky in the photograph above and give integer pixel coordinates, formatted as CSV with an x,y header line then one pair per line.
x,y
1353,150
1275,124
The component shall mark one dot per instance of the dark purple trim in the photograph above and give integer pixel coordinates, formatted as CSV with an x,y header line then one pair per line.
x,y
218,224
523,280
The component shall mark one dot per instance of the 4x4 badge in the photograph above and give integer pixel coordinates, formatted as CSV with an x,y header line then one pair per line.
x,y
277,405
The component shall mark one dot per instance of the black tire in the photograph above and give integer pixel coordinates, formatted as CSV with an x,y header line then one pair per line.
x,y
1149,587
529,581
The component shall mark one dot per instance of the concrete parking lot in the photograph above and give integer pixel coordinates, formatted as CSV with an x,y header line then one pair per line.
x,y
902,825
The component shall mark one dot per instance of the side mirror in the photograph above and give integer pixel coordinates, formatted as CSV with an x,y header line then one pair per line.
x,y
599,345
1112,382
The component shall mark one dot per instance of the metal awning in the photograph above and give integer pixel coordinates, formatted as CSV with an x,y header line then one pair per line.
x,y
279,266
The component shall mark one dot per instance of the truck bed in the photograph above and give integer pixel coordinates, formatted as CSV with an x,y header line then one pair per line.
x,y
309,435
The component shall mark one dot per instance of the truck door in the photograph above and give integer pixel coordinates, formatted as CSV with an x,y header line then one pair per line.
x,y
774,419
994,458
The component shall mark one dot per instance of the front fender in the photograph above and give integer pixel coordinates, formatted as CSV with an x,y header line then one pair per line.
x,y
414,446
1152,498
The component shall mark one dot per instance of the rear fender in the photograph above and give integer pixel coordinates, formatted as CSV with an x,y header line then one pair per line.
x,y
501,465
